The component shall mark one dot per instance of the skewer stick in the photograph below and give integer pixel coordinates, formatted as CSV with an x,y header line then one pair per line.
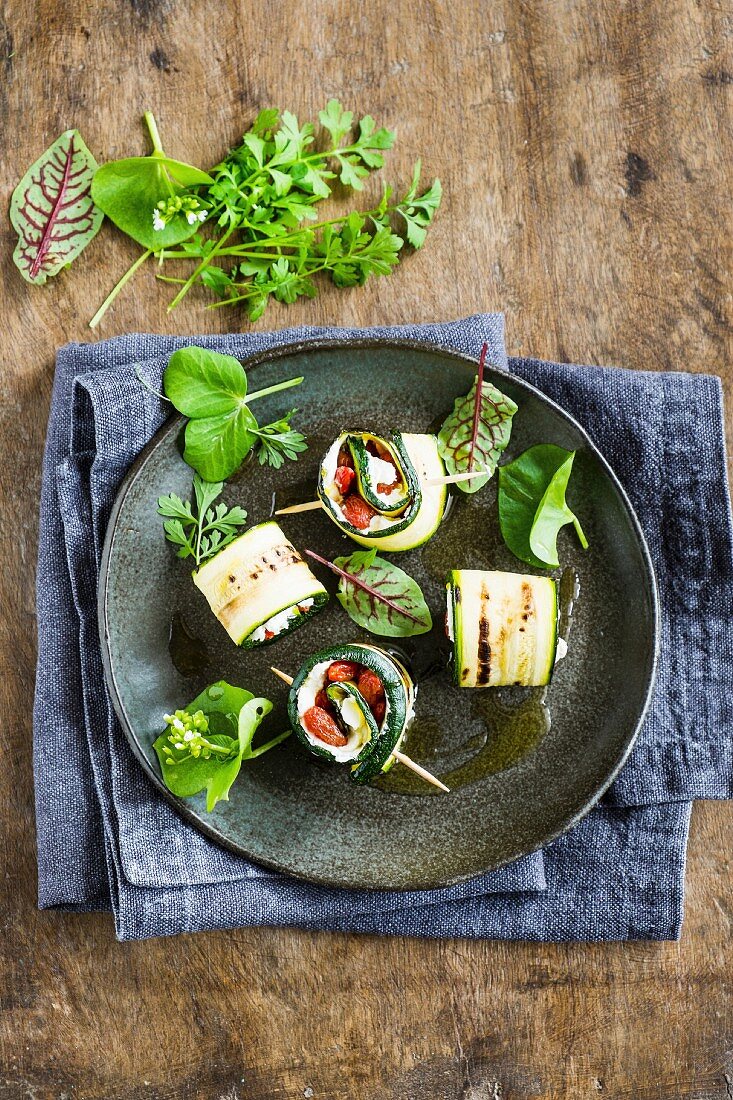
x,y
309,506
283,675
400,756
418,770
451,479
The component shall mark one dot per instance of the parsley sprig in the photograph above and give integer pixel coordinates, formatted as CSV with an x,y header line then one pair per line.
x,y
203,531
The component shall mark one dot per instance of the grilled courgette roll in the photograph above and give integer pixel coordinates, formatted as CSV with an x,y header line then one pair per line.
x,y
376,489
352,704
259,587
503,628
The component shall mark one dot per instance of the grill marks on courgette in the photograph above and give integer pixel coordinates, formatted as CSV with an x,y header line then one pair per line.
x,y
483,671
258,577
503,628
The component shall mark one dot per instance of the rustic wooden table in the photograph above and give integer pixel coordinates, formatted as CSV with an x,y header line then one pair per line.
x,y
586,151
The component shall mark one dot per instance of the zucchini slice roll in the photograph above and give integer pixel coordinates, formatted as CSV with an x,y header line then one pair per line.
x,y
503,628
259,587
375,488
352,704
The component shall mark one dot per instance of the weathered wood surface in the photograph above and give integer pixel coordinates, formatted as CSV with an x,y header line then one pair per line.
x,y
587,155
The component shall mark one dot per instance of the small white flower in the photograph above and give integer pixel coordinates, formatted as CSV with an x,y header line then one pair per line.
x,y
201,215
191,218
189,735
158,222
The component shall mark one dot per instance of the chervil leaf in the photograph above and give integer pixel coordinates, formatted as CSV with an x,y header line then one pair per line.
x,y
336,120
200,533
418,213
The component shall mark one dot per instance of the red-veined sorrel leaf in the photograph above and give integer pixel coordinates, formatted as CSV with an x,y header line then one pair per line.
x,y
476,433
378,595
52,209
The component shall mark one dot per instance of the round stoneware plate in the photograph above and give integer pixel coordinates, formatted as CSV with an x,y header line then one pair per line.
x,y
522,765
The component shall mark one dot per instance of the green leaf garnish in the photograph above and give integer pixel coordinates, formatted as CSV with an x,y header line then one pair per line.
x,y
52,209
205,744
532,505
379,596
140,193
211,389
202,532
477,432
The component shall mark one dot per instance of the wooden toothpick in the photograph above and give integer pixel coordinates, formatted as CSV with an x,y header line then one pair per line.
x,y
418,770
283,675
309,506
451,479
402,757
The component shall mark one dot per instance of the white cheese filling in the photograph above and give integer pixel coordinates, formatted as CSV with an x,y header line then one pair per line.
x,y
328,471
314,681
449,614
277,623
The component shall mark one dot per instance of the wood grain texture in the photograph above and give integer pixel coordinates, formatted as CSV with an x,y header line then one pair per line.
x,y
587,155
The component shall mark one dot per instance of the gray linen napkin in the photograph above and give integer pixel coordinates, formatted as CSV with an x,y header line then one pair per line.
x,y
106,838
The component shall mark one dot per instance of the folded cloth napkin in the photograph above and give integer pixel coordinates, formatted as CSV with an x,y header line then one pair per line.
x,y
106,839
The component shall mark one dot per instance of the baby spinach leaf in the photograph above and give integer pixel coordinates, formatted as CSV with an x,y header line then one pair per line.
x,y
52,210
532,505
476,433
211,389
129,192
204,745
380,597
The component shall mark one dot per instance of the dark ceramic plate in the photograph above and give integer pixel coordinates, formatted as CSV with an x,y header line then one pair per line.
x,y
522,768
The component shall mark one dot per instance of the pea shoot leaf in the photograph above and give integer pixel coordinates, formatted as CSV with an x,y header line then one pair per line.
x,y
205,744
211,389
532,505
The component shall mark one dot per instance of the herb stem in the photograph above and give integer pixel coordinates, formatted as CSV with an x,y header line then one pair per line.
x,y
362,584
152,126
477,408
118,287
580,533
273,389
201,267
251,753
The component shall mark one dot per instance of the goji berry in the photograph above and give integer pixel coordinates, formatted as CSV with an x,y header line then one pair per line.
x,y
342,670
357,512
344,479
324,702
320,723
371,688
379,710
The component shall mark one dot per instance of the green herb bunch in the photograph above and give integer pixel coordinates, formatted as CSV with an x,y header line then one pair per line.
x,y
249,227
